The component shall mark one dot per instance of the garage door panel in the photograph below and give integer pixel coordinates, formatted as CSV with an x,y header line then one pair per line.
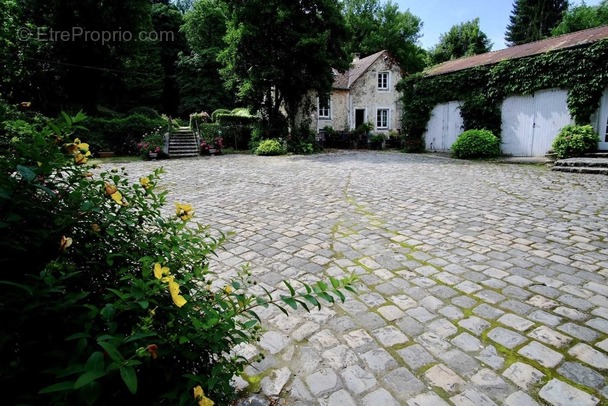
x,y
517,122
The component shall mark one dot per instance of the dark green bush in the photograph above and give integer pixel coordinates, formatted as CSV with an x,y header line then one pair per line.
x,y
209,131
120,135
476,144
575,140
270,147
219,112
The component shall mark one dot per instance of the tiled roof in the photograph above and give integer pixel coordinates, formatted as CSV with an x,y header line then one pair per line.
x,y
534,48
345,80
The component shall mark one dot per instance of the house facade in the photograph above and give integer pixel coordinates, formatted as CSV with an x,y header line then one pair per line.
x,y
529,122
366,93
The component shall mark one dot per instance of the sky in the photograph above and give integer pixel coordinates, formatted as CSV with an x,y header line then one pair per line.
x,y
439,16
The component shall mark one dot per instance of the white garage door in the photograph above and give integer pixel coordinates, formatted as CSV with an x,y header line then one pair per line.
x,y
601,126
444,126
530,123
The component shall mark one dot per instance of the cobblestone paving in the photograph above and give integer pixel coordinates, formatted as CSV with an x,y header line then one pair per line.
x,y
480,283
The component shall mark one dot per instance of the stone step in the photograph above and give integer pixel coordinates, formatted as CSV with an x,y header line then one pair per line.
x,y
582,169
188,142
583,162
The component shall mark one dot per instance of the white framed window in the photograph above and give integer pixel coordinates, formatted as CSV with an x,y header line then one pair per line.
x,y
324,107
383,80
382,116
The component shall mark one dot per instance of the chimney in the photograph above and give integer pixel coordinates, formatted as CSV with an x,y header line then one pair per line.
x,y
357,56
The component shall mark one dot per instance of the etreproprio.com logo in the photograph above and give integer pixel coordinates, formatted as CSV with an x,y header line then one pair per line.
x,y
45,34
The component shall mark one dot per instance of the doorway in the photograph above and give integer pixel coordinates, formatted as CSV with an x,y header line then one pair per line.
x,y
359,117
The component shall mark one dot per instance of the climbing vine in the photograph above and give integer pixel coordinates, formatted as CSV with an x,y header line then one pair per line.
x,y
583,71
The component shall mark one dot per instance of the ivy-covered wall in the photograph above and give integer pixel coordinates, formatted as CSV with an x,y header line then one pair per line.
x,y
583,71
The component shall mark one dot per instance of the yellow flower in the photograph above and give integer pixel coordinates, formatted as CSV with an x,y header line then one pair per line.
x,y
81,158
110,189
145,182
199,395
113,192
64,243
174,291
184,211
160,271
228,289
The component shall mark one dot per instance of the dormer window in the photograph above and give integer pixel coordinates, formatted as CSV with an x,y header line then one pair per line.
x,y
383,80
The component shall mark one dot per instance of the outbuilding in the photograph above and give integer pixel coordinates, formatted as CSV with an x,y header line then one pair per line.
x,y
525,94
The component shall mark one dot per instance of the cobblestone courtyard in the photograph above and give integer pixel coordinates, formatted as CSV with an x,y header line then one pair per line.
x,y
480,283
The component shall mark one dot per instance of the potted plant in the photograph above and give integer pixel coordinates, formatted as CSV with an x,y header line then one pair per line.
x,y
551,156
150,147
212,147
376,141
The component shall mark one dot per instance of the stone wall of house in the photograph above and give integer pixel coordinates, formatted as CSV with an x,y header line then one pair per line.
x,y
365,94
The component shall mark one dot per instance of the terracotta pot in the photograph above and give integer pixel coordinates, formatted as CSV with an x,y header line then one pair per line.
x,y
105,154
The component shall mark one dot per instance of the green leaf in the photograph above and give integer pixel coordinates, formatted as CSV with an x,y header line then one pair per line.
x,y
281,309
111,350
340,295
322,285
58,387
26,172
95,362
18,285
290,301
129,377
250,323
78,335
334,282
311,299
329,298
291,289
87,378
184,340
144,304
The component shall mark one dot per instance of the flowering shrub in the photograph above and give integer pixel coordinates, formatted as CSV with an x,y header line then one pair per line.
x,y
152,143
575,140
118,304
207,145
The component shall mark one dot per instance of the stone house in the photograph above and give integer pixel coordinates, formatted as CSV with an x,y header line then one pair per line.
x,y
366,93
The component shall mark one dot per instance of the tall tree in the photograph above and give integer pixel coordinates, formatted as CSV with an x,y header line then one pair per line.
x,y
377,26
583,17
167,21
279,50
533,20
462,40
200,85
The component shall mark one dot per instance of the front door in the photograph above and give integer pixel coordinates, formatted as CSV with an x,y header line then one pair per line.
x,y
602,127
359,117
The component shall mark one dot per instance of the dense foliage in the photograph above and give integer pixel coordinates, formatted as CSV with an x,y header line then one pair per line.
x,y
279,50
118,305
533,20
462,40
575,140
270,147
482,89
476,144
377,26
581,17
120,134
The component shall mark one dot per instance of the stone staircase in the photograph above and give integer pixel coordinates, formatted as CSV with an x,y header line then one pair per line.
x,y
596,163
182,143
